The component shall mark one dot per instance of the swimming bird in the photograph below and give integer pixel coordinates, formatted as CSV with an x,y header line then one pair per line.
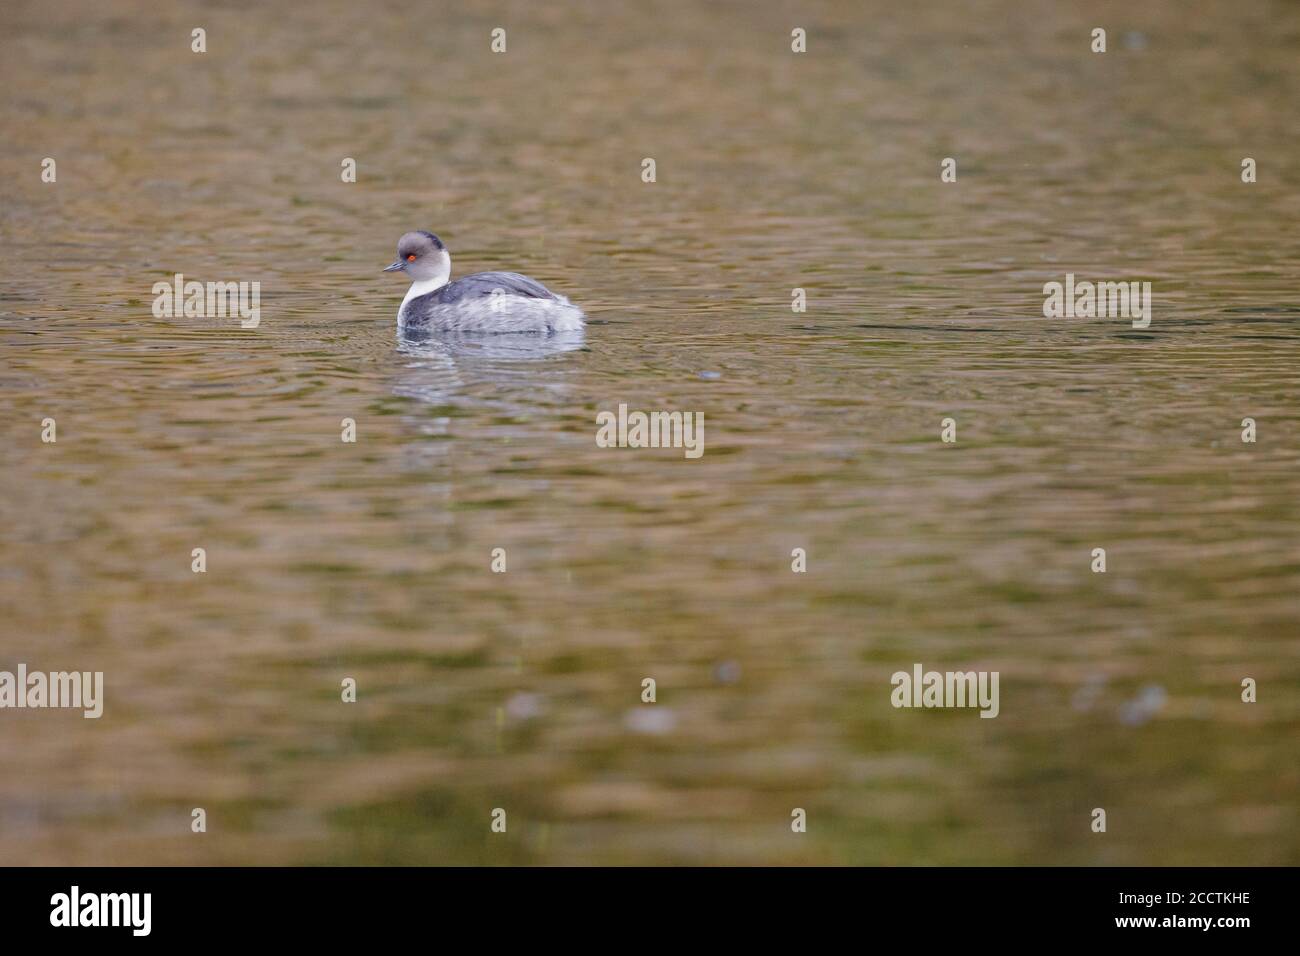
x,y
482,302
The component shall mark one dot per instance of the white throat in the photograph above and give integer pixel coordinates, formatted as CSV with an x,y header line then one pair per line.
x,y
424,286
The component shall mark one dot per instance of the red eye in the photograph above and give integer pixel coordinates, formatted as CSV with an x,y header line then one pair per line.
x,y
411,257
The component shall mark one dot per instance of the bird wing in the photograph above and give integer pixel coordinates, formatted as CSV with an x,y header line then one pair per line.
x,y
486,283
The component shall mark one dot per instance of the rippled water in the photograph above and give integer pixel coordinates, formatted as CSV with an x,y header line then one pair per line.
x,y
522,690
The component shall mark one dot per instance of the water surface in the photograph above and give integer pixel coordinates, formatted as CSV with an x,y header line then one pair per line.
x,y
522,690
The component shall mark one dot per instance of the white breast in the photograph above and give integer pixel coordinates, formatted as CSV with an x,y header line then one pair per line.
x,y
423,287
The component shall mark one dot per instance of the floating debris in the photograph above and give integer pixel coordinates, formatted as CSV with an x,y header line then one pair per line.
x,y
1144,706
650,719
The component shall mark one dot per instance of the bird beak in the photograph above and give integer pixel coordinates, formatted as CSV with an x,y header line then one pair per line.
x,y
397,266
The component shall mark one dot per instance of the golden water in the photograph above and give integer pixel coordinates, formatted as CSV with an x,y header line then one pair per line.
x,y
522,690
